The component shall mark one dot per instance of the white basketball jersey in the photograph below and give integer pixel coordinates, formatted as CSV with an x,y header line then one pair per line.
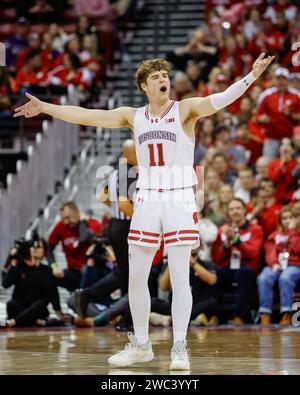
x,y
165,153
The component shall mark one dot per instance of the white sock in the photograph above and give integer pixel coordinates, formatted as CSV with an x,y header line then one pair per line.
x,y
182,300
140,262
142,334
178,336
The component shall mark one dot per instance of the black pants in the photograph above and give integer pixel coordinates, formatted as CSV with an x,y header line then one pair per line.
x,y
205,305
91,311
70,281
107,285
245,278
27,315
118,232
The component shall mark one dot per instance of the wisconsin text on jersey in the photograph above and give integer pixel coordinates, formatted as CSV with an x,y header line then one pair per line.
x,y
157,134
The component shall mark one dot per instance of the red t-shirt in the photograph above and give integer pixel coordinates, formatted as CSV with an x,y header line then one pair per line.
x,y
254,148
268,218
272,102
251,236
281,241
30,77
74,250
281,174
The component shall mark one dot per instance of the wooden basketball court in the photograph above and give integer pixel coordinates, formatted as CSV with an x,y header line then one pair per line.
x,y
224,350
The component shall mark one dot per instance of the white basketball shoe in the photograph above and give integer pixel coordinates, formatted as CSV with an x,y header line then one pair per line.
x,y
179,357
132,353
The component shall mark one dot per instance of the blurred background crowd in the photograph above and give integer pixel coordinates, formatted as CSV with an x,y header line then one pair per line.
x,y
248,266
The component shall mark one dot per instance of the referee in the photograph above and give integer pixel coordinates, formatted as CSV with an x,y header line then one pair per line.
x,y
118,195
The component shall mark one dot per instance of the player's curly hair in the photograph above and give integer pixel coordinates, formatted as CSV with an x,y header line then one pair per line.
x,y
147,67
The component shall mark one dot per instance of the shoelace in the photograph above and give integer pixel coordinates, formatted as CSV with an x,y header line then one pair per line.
x,y
180,352
129,346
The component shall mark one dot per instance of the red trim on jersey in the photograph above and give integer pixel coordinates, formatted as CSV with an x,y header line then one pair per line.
x,y
168,109
181,239
148,241
163,115
134,231
188,231
171,241
188,238
144,233
133,238
143,240
170,234
179,232
151,234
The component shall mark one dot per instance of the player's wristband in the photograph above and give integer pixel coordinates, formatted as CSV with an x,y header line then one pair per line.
x,y
233,92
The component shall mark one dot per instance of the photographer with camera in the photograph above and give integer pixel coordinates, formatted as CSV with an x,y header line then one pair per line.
x,y
75,234
99,263
34,286
237,255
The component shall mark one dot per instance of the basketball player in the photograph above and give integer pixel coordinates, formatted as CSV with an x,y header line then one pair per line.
x,y
165,203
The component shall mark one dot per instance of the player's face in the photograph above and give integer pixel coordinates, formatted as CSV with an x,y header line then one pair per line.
x,y
158,85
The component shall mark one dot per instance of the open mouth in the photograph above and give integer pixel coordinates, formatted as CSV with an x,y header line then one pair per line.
x,y
163,89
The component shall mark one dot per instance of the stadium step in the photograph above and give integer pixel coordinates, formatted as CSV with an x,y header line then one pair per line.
x,y
161,27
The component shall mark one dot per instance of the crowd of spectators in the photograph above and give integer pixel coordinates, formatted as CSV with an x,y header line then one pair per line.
x,y
249,226
249,150
54,43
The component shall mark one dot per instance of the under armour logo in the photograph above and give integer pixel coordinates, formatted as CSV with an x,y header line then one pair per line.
x,y
247,83
154,120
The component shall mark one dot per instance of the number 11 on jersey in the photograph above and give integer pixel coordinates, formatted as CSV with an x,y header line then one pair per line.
x,y
160,156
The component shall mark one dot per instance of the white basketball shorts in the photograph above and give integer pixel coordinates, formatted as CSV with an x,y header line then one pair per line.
x,y
164,214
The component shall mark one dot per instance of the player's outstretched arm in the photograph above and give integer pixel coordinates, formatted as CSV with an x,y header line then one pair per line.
x,y
117,118
204,106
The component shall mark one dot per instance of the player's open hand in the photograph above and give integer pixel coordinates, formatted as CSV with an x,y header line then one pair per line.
x,y
30,109
260,65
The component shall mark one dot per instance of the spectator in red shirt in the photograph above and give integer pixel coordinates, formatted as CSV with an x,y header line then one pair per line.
x,y
237,254
268,39
280,171
75,235
230,54
283,265
34,43
70,73
267,208
278,109
251,143
32,75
